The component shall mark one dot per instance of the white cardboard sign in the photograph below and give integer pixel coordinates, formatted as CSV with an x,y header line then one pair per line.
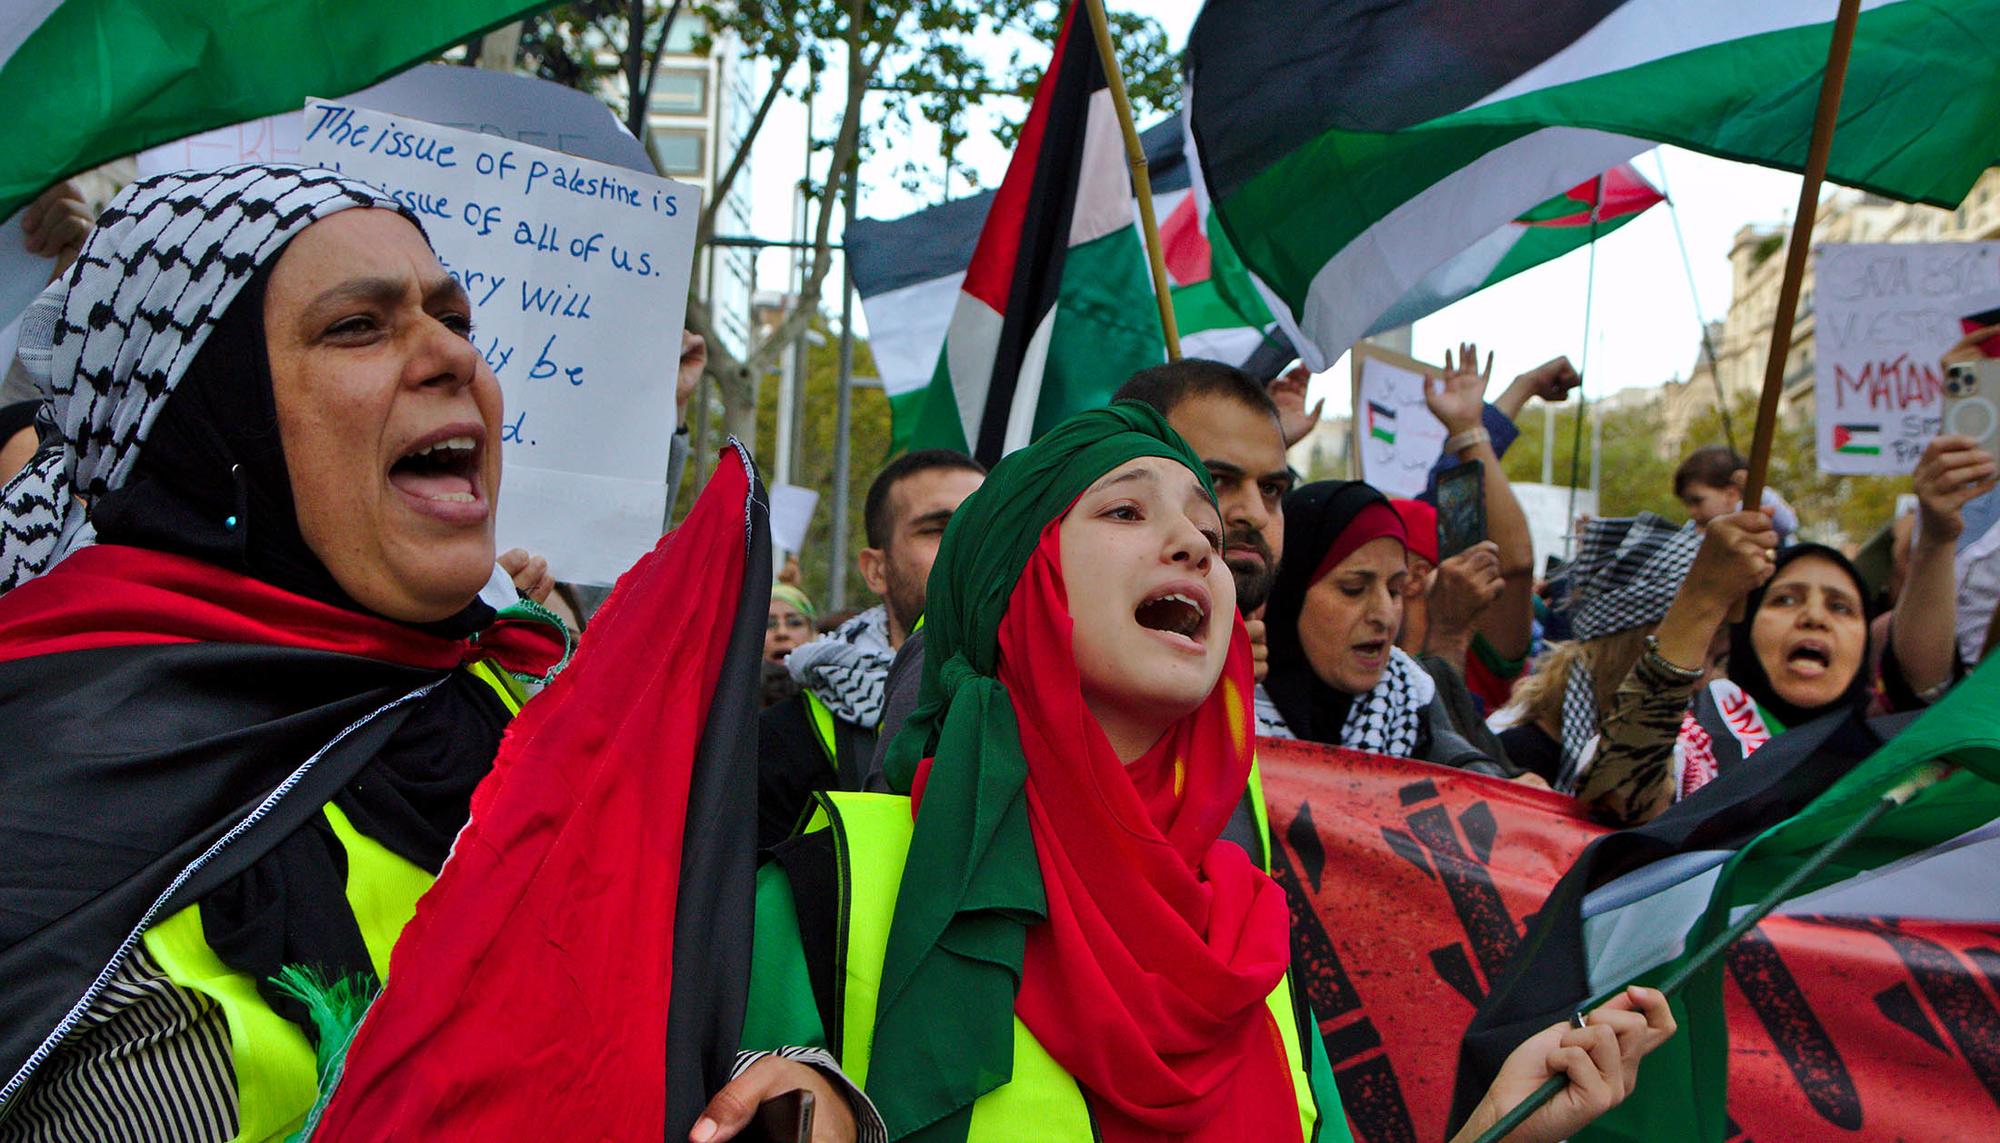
x,y
578,273
1397,436
1884,314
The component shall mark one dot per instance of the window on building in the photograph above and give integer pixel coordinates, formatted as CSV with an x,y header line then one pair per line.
x,y
680,91
681,37
681,150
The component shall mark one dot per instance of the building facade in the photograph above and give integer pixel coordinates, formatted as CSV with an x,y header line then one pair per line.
x,y
697,120
1742,339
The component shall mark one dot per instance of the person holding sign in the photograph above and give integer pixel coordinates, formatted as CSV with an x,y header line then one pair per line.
x,y
261,682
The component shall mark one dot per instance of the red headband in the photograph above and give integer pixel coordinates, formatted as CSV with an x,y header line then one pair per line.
x,y
1373,522
1420,527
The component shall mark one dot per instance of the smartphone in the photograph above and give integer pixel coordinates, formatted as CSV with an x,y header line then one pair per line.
x,y
1971,322
1461,508
785,1119
1972,402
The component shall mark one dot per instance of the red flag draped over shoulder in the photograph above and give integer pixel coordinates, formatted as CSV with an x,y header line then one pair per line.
x,y
530,996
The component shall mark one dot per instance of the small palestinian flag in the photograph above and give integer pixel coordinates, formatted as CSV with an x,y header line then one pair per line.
x,y
1858,440
1351,147
1382,422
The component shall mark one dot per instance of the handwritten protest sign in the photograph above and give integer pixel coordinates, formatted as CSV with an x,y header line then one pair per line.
x,y
1884,313
578,273
1396,437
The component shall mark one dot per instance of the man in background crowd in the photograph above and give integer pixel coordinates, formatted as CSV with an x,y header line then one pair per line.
x,y
824,737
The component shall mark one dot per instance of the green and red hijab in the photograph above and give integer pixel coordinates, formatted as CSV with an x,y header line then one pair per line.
x,y
1047,879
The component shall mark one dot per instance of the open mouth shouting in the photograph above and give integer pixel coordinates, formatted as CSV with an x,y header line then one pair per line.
x,y
439,474
1371,654
1177,613
1809,658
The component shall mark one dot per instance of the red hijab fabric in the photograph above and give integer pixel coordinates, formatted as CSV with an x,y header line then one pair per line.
x,y
1375,520
1148,982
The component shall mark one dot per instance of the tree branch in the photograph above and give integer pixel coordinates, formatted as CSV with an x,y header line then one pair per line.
x,y
706,229
840,164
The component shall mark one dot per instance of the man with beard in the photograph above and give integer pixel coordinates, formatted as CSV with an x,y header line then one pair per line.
x,y
1240,433
825,736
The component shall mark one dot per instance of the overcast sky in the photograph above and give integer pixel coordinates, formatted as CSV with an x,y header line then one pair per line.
x,y
1644,327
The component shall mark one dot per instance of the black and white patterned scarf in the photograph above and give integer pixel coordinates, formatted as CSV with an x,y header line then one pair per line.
x,y
1626,574
848,667
1387,719
109,341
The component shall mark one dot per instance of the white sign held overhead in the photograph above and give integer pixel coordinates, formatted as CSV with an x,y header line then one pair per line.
x,y
1883,315
791,516
578,273
1396,437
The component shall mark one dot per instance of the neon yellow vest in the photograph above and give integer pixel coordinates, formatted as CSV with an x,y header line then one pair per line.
x,y
276,1077
1040,1101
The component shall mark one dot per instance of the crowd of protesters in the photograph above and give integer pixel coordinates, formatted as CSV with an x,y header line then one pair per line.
x,y
259,472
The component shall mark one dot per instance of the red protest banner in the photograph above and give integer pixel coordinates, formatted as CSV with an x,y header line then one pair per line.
x,y
1412,885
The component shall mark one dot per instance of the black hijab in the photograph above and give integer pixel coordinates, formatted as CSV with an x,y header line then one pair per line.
x,y
1316,516
211,482
1746,670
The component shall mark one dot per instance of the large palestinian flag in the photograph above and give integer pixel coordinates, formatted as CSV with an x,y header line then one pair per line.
x,y
909,271
580,969
1352,147
87,81
1056,307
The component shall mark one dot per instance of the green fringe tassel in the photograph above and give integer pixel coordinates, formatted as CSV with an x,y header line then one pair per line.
x,y
336,1009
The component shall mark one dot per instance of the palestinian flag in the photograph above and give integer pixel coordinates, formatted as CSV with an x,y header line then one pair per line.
x,y
1569,221
910,271
1637,903
1381,422
87,81
1056,308
1858,440
1353,147
580,968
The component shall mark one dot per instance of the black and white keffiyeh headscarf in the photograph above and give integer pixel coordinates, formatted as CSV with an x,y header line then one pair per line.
x,y
848,667
110,340
1626,574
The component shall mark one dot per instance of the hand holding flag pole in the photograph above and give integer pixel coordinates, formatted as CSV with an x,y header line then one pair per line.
x,y
1142,184
1926,776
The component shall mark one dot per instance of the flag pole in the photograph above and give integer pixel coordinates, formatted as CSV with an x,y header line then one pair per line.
x,y
1142,185
1926,776
1795,254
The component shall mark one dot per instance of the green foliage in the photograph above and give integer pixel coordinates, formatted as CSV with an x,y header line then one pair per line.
x,y
870,448
940,59
1635,477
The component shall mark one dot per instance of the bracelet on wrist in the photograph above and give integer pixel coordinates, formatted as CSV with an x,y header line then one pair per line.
x,y
1470,438
1685,674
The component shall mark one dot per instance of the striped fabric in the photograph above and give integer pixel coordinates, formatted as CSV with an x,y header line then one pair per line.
x,y
868,1125
151,1064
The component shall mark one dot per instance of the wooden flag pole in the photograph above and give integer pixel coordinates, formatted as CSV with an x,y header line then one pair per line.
x,y
1795,253
1142,184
